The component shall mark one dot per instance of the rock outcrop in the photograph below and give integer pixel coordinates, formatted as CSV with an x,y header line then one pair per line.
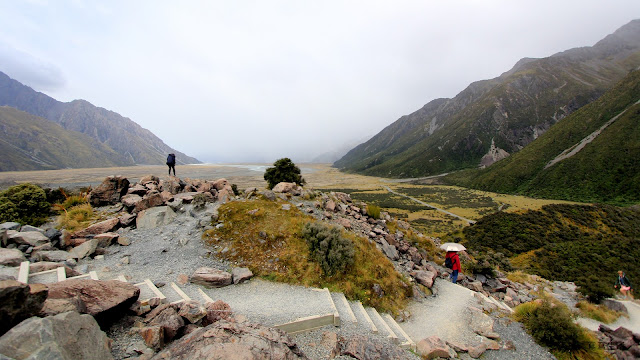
x,y
18,302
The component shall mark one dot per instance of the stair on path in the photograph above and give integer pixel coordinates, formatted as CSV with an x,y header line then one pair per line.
x,y
295,309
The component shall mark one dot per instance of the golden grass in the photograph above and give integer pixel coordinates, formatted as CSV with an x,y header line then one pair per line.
x,y
598,312
281,254
76,217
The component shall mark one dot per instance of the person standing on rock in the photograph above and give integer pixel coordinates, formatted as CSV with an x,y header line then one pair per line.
x,y
455,265
624,284
171,162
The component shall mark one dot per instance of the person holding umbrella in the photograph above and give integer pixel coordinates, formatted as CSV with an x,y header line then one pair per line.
x,y
452,260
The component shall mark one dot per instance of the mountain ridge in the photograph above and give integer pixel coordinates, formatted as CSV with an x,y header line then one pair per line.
x,y
508,111
132,144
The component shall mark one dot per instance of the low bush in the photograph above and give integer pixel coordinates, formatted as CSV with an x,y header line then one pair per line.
x,y
373,211
74,200
283,170
551,325
327,246
24,204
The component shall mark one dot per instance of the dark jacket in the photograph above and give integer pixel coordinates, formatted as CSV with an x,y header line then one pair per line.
x,y
171,159
455,260
623,281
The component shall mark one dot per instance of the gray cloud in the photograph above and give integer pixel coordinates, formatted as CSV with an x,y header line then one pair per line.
x,y
29,70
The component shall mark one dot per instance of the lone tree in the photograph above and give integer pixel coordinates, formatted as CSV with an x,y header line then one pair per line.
x,y
283,170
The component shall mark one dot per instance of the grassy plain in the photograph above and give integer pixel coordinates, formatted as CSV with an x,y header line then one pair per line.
x,y
471,204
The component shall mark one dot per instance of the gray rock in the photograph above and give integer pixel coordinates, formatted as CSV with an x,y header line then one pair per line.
x,y
240,275
53,234
615,305
54,255
366,348
10,225
31,228
85,249
390,251
211,277
31,238
64,336
424,277
154,217
482,323
270,195
11,257
475,286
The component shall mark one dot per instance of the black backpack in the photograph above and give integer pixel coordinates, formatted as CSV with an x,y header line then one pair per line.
x,y
448,263
171,159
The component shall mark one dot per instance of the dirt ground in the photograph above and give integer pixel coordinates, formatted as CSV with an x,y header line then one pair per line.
x,y
243,175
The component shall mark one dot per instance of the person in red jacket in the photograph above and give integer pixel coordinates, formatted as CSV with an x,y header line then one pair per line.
x,y
455,261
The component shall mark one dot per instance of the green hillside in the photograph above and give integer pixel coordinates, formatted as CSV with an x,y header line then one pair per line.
x,y
581,243
606,170
508,112
29,142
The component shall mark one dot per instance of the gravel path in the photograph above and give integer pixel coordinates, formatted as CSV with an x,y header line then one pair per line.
x,y
632,322
525,347
443,315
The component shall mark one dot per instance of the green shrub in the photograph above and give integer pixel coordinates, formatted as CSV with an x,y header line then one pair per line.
x,y
596,289
551,325
333,252
234,187
25,203
283,170
373,211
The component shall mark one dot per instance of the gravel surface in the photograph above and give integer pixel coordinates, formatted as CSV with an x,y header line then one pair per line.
x,y
525,347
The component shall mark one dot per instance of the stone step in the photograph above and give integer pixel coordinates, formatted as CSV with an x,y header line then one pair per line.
x,y
381,325
344,308
405,341
363,317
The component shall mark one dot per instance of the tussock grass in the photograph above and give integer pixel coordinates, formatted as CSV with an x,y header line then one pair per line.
x,y
263,236
598,312
73,200
76,217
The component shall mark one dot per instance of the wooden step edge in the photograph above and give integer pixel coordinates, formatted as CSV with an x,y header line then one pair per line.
x,y
23,272
390,320
336,314
45,272
367,318
62,273
306,324
182,294
204,295
350,315
392,335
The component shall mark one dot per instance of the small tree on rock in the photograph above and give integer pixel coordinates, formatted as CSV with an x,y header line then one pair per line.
x,y
283,170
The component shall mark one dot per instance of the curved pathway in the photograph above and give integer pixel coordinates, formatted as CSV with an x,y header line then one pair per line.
x,y
632,322
429,205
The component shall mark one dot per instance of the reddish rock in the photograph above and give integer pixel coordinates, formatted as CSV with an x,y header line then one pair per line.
x,y
48,265
433,347
183,279
424,277
365,348
76,241
166,196
131,200
345,223
170,322
192,311
284,187
216,311
211,277
18,302
109,192
106,239
232,340
153,336
127,220
99,228
173,185
221,184
105,300
150,200
149,179
137,189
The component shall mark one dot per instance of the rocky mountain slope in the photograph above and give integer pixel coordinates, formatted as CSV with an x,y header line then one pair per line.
x,y
30,142
592,155
491,119
130,144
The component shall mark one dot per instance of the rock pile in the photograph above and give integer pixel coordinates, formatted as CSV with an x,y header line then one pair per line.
x,y
621,342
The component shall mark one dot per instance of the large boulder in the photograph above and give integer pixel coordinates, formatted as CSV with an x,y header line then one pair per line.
x,y
154,217
105,300
170,322
19,301
424,277
239,275
152,199
233,340
131,200
365,348
65,336
52,255
192,311
11,257
31,238
284,187
433,347
109,192
211,277
85,249
99,228
481,323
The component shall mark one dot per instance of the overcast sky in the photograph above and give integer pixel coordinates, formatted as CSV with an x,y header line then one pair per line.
x,y
253,81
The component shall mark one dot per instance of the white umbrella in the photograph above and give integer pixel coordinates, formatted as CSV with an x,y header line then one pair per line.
x,y
452,247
